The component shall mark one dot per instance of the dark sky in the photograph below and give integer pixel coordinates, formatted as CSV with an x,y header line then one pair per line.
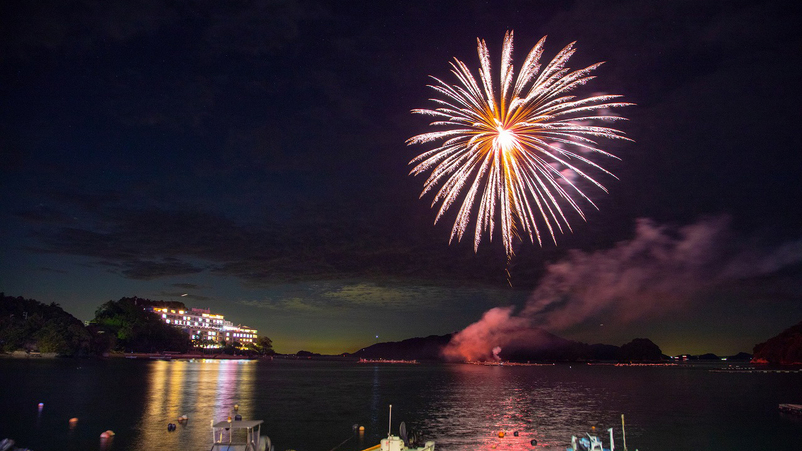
x,y
251,156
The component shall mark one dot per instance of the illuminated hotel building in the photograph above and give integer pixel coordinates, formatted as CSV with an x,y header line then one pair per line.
x,y
201,324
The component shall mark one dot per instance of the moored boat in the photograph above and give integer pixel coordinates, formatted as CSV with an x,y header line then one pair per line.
x,y
594,443
239,435
590,443
396,443
404,441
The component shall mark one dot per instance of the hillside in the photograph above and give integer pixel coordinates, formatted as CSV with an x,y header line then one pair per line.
x,y
784,349
29,325
543,347
426,348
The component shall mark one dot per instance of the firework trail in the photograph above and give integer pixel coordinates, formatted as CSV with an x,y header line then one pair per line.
x,y
516,150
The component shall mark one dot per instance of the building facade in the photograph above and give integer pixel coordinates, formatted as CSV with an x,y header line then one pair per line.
x,y
208,328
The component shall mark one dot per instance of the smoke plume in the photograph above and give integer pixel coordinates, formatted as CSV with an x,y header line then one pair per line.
x,y
660,270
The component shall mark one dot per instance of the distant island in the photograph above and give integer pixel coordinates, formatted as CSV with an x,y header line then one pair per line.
x,y
548,348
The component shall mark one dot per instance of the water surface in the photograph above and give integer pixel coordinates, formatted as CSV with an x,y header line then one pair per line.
x,y
312,405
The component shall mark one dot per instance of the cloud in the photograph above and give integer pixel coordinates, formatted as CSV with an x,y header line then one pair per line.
x,y
53,270
343,296
189,286
42,214
79,26
386,297
183,297
288,304
291,243
660,270
153,269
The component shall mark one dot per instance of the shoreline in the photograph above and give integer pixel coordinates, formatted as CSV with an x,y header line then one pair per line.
x,y
175,356
132,356
29,355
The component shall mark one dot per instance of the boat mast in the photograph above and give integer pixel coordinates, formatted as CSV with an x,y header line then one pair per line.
x,y
390,426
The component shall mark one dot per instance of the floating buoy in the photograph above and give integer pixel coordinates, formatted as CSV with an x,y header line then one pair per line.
x,y
182,418
110,432
533,442
73,422
515,433
500,434
107,434
236,407
361,428
238,417
170,427
41,404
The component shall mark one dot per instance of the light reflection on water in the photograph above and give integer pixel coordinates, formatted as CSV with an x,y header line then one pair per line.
x,y
484,401
200,389
312,405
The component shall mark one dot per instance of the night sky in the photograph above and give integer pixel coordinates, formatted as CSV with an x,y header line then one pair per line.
x,y
250,157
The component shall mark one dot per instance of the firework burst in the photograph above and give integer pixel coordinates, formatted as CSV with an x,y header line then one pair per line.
x,y
514,154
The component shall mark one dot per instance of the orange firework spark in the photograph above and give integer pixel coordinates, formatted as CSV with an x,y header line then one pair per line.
x,y
516,150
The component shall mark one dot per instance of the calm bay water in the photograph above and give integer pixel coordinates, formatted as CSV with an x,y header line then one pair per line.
x,y
312,405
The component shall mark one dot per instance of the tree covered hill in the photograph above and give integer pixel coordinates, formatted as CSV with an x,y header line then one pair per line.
x,y
26,324
119,326
126,326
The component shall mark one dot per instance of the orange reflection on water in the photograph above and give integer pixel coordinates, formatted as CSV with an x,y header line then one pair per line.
x,y
484,401
203,390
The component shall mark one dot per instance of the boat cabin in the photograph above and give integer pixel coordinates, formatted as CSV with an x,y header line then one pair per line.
x,y
237,435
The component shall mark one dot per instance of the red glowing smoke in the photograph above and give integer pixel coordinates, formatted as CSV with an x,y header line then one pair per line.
x,y
660,270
